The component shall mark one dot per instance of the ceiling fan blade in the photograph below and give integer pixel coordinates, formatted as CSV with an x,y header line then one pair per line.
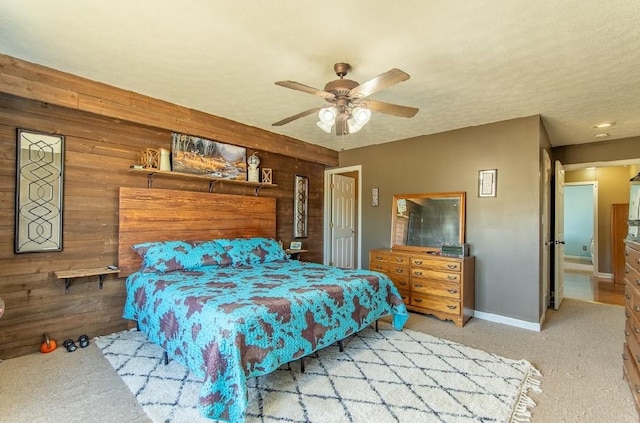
x,y
306,89
298,116
390,109
380,82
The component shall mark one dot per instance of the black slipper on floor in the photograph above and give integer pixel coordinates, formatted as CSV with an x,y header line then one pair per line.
x,y
70,345
83,341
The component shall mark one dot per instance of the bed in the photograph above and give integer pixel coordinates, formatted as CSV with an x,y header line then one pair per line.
x,y
230,308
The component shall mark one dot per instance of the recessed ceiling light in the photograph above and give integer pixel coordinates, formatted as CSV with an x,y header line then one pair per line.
x,y
604,125
602,135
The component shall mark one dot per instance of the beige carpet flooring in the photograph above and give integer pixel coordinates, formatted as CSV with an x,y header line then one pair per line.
x,y
578,352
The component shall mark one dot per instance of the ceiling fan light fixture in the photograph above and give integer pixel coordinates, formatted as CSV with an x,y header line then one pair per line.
x,y
324,126
328,115
353,126
361,115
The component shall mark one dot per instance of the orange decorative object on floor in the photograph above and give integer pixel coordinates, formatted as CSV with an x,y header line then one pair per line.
x,y
48,345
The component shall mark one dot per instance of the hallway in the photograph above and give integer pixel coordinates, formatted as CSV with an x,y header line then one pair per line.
x,y
584,286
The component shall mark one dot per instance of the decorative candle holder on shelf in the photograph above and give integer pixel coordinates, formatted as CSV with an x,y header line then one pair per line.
x,y
267,175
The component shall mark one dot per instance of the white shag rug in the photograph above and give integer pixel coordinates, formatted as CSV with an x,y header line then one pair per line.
x,y
385,376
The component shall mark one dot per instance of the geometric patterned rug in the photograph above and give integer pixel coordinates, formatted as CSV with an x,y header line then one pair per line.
x,y
385,376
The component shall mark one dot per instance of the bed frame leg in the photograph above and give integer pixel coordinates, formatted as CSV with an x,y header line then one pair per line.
x,y
165,358
302,365
376,326
341,345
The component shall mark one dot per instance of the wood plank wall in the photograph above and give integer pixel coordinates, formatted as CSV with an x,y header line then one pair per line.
x,y
98,152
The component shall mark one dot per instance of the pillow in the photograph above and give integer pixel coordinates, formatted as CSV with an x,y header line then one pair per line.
x,y
252,250
168,256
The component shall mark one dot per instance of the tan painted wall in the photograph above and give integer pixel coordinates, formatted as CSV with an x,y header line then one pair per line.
x,y
624,149
504,232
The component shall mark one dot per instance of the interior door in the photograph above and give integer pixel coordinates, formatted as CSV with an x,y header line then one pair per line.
x,y
558,250
546,230
343,225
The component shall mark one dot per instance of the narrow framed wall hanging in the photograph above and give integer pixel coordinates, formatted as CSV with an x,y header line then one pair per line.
x,y
39,191
300,203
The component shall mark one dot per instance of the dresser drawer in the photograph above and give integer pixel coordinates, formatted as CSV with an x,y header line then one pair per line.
x,y
437,264
633,327
631,372
635,306
632,257
632,275
401,281
441,289
406,296
442,304
634,348
398,259
382,267
378,256
436,276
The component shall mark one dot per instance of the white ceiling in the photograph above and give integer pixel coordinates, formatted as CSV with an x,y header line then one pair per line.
x,y
574,62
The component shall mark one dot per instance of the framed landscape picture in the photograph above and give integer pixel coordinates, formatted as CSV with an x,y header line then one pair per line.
x,y
200,156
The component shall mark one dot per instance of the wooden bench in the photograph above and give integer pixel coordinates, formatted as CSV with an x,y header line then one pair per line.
x,y
67,275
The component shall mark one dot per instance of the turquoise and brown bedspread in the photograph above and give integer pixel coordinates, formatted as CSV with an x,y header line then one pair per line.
x,y
229,322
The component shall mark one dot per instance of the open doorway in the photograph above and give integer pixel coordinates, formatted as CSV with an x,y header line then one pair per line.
x,y
580,226
588,273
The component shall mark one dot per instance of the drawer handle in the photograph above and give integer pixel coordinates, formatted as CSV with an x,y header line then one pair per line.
x,y
417,273
399,260
638,282
452,307
636,308
637,389
378,267
417,300
638,261
626,332
451,266
452,291
626,252
403,283
636,329
418,286
452,278
417,261
624,357
378,258
628,297
627,314
399,270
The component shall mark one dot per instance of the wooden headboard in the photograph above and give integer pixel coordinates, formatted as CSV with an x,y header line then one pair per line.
x,y
161,215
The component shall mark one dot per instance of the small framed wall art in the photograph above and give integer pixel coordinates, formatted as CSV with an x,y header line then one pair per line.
x,y
487,182
375,193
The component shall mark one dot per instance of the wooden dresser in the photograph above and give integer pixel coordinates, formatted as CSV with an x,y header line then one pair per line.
x,y
430,284
631,353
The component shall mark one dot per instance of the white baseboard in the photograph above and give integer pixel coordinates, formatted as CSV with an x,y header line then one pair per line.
x,y
605,276
507,321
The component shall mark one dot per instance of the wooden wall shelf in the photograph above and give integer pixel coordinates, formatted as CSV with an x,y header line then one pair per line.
x,y
212,181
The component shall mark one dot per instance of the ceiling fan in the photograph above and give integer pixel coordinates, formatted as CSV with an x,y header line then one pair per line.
x,y
349,106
